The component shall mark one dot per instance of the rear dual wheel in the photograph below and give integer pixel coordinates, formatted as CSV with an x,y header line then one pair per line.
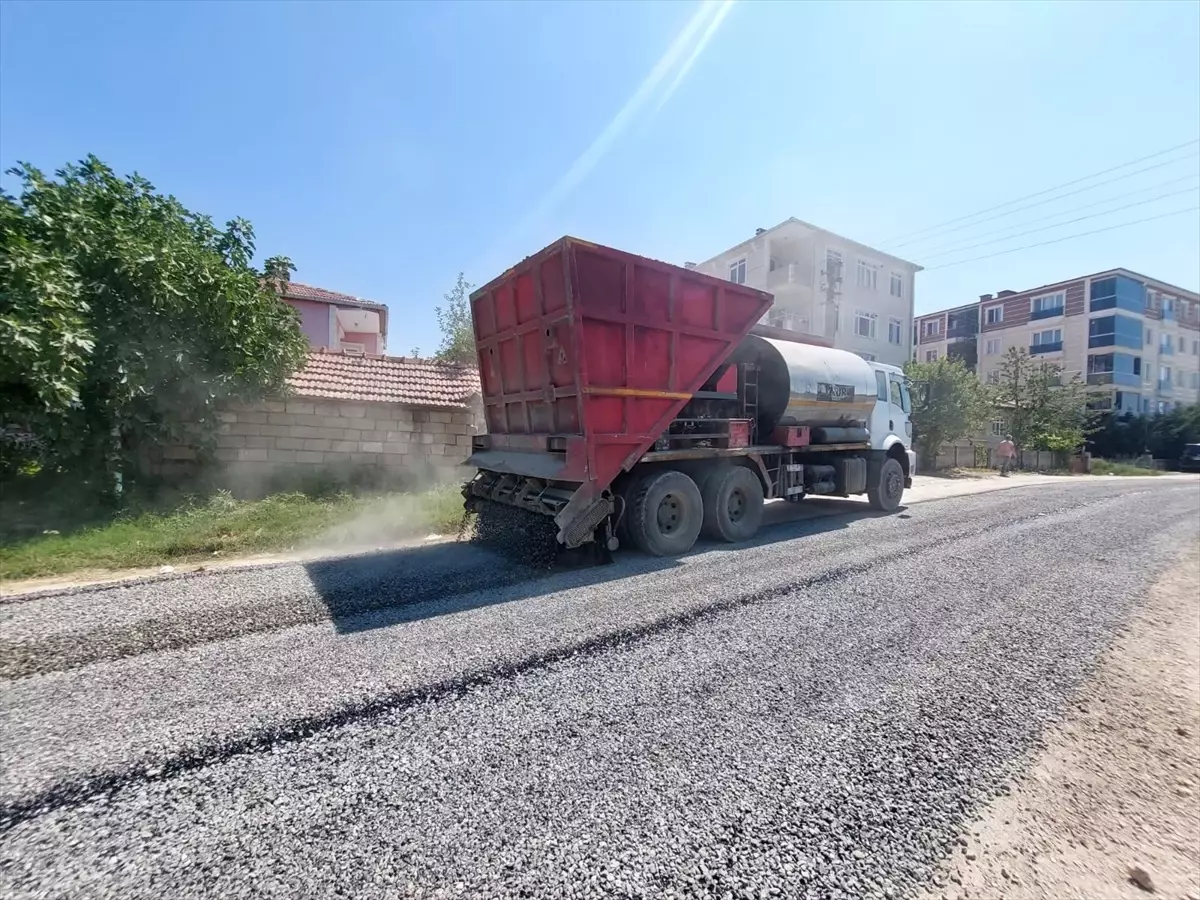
x,y
733,504
665,513
667,510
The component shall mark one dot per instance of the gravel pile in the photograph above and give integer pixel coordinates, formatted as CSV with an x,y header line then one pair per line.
x,y
516,534
821,742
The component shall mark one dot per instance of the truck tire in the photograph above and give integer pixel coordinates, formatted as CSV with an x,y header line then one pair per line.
x,y
885,485
666,513
733,504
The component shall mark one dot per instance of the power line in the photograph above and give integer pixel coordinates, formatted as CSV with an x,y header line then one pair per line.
x,y
1069,237
1082,190
1068,222
936,251
1132,162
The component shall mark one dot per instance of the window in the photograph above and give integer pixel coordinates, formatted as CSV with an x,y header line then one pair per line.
x,y
1165,345
1115,330
896,399
1048,305
1149,336
869,357
1164,376
930,356
905,397
1195,380
931,327
1050,339
864,324
896,288
1118,292
993,315
895,330
993,377
867,275
1179,377
737,271
993,346
881,388
1182,345
1195,348
833,266
999,428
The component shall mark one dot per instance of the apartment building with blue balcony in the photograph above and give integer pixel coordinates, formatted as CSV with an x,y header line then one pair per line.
x,y
1134,339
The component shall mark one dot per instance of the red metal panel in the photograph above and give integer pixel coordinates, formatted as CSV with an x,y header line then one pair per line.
x,y
791,436
727,383
585,340
739,432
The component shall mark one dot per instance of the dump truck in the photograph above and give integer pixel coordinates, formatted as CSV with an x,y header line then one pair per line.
x,y
628,400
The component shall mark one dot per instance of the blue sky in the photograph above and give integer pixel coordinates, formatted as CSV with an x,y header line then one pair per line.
x,y
386,146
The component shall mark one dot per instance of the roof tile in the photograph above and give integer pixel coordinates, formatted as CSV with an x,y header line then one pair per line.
x,y
297,291
385,379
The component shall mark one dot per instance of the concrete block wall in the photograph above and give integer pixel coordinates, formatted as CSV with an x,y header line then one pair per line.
x,y
258,442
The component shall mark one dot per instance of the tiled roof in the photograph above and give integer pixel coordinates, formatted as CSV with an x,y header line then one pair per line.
x,y
297,291
384,379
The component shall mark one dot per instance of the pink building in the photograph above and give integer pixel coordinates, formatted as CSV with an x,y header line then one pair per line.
x,y
338,321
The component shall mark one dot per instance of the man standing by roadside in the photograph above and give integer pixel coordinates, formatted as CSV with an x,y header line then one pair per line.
x,y
1006,451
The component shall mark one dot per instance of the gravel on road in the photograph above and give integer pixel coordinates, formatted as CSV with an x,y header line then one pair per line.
x,y
813,716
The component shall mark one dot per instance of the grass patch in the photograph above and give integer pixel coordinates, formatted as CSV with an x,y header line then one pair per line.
x,y
221,526
1104,467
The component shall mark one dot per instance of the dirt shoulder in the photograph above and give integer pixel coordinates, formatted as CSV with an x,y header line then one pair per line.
x,y
1117,787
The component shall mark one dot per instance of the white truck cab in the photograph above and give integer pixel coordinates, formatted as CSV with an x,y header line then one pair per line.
x,y
891,421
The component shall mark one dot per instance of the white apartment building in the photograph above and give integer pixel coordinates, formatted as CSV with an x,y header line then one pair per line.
x,y
824,284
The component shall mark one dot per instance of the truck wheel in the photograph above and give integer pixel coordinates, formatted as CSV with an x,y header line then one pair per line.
x,y
666,513
733,504
887,487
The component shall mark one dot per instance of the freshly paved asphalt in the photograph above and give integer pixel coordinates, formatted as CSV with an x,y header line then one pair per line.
x,y
814,715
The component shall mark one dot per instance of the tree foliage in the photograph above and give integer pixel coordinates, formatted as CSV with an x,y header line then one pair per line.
x,y
948,403
1044,409
1161,436
454,320
125,317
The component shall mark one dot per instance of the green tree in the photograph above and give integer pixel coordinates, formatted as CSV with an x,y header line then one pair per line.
x,y
125,318
948,403
1044,408
454,320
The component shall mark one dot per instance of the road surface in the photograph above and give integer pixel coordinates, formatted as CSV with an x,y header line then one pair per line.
x,y
819,714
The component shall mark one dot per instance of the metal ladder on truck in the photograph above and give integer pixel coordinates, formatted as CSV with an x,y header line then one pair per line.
x,y
750,398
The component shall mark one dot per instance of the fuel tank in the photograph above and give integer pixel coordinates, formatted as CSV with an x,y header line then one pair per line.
x,y
803,384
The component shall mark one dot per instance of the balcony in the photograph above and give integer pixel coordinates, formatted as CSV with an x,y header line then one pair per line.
x,y
1050,347
1046,313
958,332
790,273
1127,379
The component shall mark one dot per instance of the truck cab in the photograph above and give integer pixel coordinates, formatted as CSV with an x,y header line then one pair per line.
x,y
891,421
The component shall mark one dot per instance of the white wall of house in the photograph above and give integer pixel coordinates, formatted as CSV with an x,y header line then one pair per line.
x,y
867,310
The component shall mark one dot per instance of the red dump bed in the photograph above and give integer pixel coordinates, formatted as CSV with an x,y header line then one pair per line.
x,y
587,353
